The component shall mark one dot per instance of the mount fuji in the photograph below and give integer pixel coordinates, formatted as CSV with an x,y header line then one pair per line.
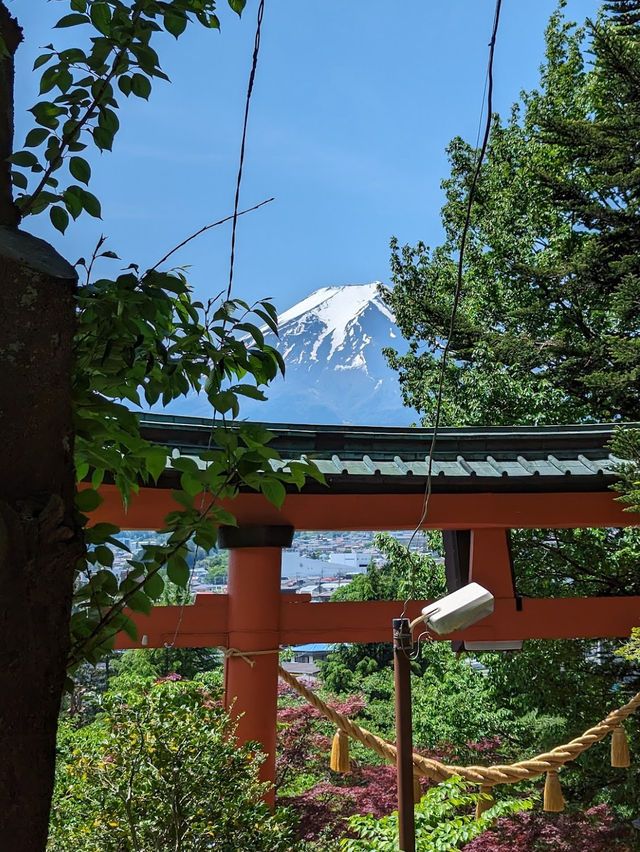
x,y
336,374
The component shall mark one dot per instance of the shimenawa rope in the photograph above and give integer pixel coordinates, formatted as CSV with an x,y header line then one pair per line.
x,y
487,776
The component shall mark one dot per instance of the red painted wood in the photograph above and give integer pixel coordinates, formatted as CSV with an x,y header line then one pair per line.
x,y
203,625
491,562
559,618
302,622
386,511
253,623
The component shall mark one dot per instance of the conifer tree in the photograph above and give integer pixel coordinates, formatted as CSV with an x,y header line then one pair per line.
x,y
547,328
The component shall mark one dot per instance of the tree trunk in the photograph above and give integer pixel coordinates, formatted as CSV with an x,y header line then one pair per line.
x,y
39,539
11,36
39,542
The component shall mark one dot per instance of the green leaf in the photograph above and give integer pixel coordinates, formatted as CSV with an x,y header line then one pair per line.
x,y
156,461
80,169
72,20
104,555
97,478
222,401
274,491
206,535
108,120
175,23
154,586
128,626
102,531
250,391
91,204
36,137
185,464
46,114
19,180
140,86
49,79
191,485
183,499
178,571
64,80
23,158
82,469
124,84
238,5
59,218
269,320
42,60
73,55
103,138
72,202
147,59
101,17
87,500
139,602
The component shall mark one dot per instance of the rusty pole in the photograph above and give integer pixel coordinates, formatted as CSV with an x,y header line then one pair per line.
x,y
402,644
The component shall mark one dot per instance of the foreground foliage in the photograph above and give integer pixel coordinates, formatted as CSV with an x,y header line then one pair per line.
x,y
159,769
445,820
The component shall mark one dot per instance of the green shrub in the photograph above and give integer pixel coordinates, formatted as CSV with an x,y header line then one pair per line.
x,y
160,770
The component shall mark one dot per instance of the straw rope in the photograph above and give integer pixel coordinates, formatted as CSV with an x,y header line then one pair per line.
x,y
487,776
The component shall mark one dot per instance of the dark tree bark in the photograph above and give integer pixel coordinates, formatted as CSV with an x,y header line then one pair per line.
x,y
39,545
39,541
11,35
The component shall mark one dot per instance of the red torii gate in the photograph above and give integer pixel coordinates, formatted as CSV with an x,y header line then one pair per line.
x,y
505,479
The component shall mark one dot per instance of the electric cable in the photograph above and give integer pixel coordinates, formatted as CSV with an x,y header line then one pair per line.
x,y
236,214
252,77
457,294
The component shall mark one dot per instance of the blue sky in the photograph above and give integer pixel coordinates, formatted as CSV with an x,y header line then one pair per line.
x,y
353,106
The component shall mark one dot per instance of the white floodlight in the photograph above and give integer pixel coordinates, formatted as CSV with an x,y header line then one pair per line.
x,y
458,610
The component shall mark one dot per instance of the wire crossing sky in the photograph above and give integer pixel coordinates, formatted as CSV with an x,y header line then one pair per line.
x,y
352,108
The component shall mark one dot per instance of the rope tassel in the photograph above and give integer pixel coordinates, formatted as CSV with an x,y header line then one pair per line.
x,y
340,752
553,798
485,800
620,748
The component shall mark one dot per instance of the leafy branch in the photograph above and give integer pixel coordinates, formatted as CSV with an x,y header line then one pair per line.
x,y
141,339
85,108
169,346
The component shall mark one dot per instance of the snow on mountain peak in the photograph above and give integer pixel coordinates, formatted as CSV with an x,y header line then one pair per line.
x,y
335,309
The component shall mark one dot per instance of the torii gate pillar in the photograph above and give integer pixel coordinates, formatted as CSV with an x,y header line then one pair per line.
x,y
253,624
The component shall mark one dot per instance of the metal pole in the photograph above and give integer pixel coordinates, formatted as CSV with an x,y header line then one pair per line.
x,y
402,644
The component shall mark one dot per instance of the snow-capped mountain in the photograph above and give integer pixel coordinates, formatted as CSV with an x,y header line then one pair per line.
x,y
332,345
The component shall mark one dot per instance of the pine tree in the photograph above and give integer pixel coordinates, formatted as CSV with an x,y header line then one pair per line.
x,y
547,328
623,12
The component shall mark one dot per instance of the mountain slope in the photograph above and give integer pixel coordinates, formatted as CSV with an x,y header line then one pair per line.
x,y
331,343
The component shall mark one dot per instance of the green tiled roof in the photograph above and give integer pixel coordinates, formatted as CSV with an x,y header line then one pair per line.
x,y
367,458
